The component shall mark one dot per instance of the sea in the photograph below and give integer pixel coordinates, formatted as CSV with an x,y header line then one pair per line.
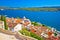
x,y
49,18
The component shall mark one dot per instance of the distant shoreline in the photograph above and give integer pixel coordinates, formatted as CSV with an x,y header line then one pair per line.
x,y
33,8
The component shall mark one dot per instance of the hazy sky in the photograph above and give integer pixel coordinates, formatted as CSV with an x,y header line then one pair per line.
x,y
29,3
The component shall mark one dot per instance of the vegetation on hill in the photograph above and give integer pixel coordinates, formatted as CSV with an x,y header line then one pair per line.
x,y
28,33
40,9
33,8
39,24
36,24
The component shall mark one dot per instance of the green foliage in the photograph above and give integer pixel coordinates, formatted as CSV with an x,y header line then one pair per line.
x,y
39,9
55,34
3,18
35,24
27,33
35,36
43,25
46,26
18,17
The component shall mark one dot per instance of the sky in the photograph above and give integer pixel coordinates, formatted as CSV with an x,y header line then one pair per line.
x,y
29,3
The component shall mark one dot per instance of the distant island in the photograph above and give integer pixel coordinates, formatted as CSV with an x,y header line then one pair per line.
x,y
33,8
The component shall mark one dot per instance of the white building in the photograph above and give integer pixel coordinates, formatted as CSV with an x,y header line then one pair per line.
x,y
17,27
53,29
26,20
2,24
44,35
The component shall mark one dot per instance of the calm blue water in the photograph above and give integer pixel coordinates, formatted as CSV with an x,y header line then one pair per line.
x,y
48,18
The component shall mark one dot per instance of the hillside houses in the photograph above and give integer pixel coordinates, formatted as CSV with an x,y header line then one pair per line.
x,y
17,24
12,22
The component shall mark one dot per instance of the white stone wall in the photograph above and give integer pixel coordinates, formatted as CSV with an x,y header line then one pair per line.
x,y
2,24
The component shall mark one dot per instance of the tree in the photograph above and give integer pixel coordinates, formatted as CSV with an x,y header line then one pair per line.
x,y
6,27
55,34
43,25
3,18
36,24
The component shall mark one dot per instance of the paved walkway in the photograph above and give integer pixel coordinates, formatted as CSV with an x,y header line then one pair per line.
x,y
7,37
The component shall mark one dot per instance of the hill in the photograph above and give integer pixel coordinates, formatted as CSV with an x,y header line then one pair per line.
x,y
56,8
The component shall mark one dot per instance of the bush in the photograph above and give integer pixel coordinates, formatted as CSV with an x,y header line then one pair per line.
x,y
35,23
27,33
